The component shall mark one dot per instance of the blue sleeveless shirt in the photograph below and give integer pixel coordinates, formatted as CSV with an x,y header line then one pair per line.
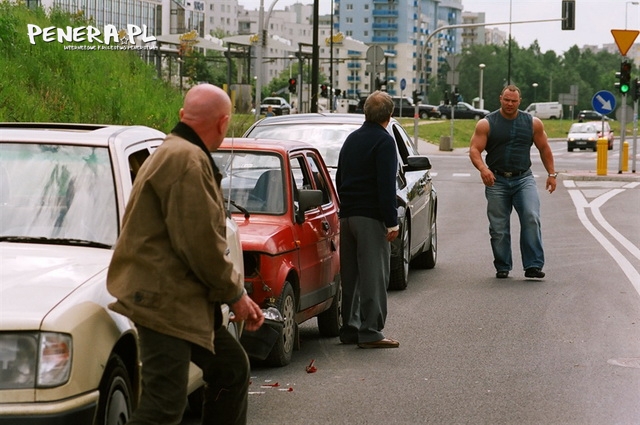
x,y
509,142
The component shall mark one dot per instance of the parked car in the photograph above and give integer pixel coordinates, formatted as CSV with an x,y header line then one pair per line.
x,y
65,358
585,135
462,110
278,105
404,107
287,211
416,194
588,115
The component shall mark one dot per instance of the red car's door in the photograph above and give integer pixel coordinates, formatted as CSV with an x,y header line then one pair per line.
x,y
317,234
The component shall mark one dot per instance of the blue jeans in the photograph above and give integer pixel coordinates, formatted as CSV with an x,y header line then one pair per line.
x,y
520,193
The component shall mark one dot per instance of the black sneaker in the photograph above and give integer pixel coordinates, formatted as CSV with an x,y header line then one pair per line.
x,y
534,272
501,274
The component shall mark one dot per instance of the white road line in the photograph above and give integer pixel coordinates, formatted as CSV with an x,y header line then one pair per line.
x,y
595,209
581,205
461,174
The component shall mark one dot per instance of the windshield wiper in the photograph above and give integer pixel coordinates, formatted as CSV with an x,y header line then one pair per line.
x,y
54,241
238,207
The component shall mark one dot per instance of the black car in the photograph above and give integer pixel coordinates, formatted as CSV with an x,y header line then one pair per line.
x,y
463,110
416,194
588,115
404,107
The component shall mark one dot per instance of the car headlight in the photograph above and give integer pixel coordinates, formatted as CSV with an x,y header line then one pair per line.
x,y
34,359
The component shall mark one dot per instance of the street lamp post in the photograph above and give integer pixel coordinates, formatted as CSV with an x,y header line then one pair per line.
x,y
626,8
481,103
535,86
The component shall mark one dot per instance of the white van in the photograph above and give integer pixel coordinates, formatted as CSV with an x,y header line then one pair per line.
x,y
545,110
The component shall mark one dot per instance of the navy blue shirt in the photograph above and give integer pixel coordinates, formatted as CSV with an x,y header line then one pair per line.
x,y
366,177
509,142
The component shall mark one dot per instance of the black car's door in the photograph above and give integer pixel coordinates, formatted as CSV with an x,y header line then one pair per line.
x,y
416,191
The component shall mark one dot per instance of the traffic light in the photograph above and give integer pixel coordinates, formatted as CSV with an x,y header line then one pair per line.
x,y
323,91
635,89
624,85
292,85
380,83
455,97
568,14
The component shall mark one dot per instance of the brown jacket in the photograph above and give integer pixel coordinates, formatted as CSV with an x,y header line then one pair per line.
x,y
169,265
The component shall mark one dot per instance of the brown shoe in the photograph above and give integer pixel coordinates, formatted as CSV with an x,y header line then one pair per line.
x,y
383,343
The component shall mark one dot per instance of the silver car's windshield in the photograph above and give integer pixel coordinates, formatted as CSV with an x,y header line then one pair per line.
x,y
57,193
327,138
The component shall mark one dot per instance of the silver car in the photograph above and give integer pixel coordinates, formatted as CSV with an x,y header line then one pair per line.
x,y
64,356
416,194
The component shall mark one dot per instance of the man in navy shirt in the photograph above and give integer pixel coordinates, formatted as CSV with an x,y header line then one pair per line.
x,y
366,181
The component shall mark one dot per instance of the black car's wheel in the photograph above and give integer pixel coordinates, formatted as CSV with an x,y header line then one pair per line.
x,y
399,276
427,259
115,404
424,115
330,321
281,352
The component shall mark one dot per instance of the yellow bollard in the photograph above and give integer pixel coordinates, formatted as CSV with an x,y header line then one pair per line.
x,y
601,157
625,156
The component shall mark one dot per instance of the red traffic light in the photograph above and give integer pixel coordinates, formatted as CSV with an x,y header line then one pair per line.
x,y
292,85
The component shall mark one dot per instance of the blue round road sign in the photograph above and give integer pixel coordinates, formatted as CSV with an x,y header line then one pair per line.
x,y
403,84
604,102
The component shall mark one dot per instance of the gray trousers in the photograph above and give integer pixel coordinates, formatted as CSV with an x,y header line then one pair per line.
x,y
165,370
364,269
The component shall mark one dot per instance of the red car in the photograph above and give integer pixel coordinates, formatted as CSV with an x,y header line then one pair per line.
x,y
281,195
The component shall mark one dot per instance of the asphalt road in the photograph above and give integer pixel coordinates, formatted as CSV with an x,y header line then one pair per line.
x,y
478,350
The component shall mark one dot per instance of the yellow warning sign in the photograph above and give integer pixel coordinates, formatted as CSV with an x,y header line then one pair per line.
x,y
624,39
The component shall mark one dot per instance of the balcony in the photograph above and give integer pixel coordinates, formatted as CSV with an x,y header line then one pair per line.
x,y
384,26
385,13
386,40
354,65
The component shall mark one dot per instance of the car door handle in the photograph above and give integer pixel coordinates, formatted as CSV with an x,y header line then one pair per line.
x,y
326,226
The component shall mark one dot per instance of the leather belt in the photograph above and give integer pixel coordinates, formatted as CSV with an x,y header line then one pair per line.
x,y
509,173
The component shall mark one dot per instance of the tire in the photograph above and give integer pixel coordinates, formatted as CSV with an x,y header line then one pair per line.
x,y
427,259
281,352
115,403
399,276
424,115
330,321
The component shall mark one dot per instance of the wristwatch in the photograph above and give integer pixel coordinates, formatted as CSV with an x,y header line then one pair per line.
x,y
554,175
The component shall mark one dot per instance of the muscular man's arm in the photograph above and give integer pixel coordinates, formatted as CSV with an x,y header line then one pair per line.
x,y
478,144
546,155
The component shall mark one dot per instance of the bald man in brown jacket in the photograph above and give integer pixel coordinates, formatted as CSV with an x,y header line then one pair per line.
x,y
169,272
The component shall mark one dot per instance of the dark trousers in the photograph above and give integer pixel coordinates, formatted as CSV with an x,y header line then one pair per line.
x,y
364,269
165,375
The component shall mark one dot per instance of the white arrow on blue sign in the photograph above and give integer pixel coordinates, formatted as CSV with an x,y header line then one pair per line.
x,y
604,102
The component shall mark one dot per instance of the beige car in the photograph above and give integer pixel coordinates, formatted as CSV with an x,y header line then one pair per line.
x,y
64,356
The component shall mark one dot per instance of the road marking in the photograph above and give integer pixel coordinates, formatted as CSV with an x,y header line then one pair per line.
x,y
461,174
581,205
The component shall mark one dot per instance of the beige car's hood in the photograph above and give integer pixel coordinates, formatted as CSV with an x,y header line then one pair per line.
x,y
35,278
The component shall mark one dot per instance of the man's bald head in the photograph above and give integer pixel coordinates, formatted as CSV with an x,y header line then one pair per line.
x,y
207,110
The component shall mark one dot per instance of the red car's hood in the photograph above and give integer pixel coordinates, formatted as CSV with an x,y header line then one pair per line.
x,y
265,234
35,278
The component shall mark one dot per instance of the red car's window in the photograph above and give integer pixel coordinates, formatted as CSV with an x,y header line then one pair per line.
x,y
253,180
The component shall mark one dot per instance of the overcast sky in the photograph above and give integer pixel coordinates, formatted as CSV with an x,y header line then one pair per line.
x,y
594,19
